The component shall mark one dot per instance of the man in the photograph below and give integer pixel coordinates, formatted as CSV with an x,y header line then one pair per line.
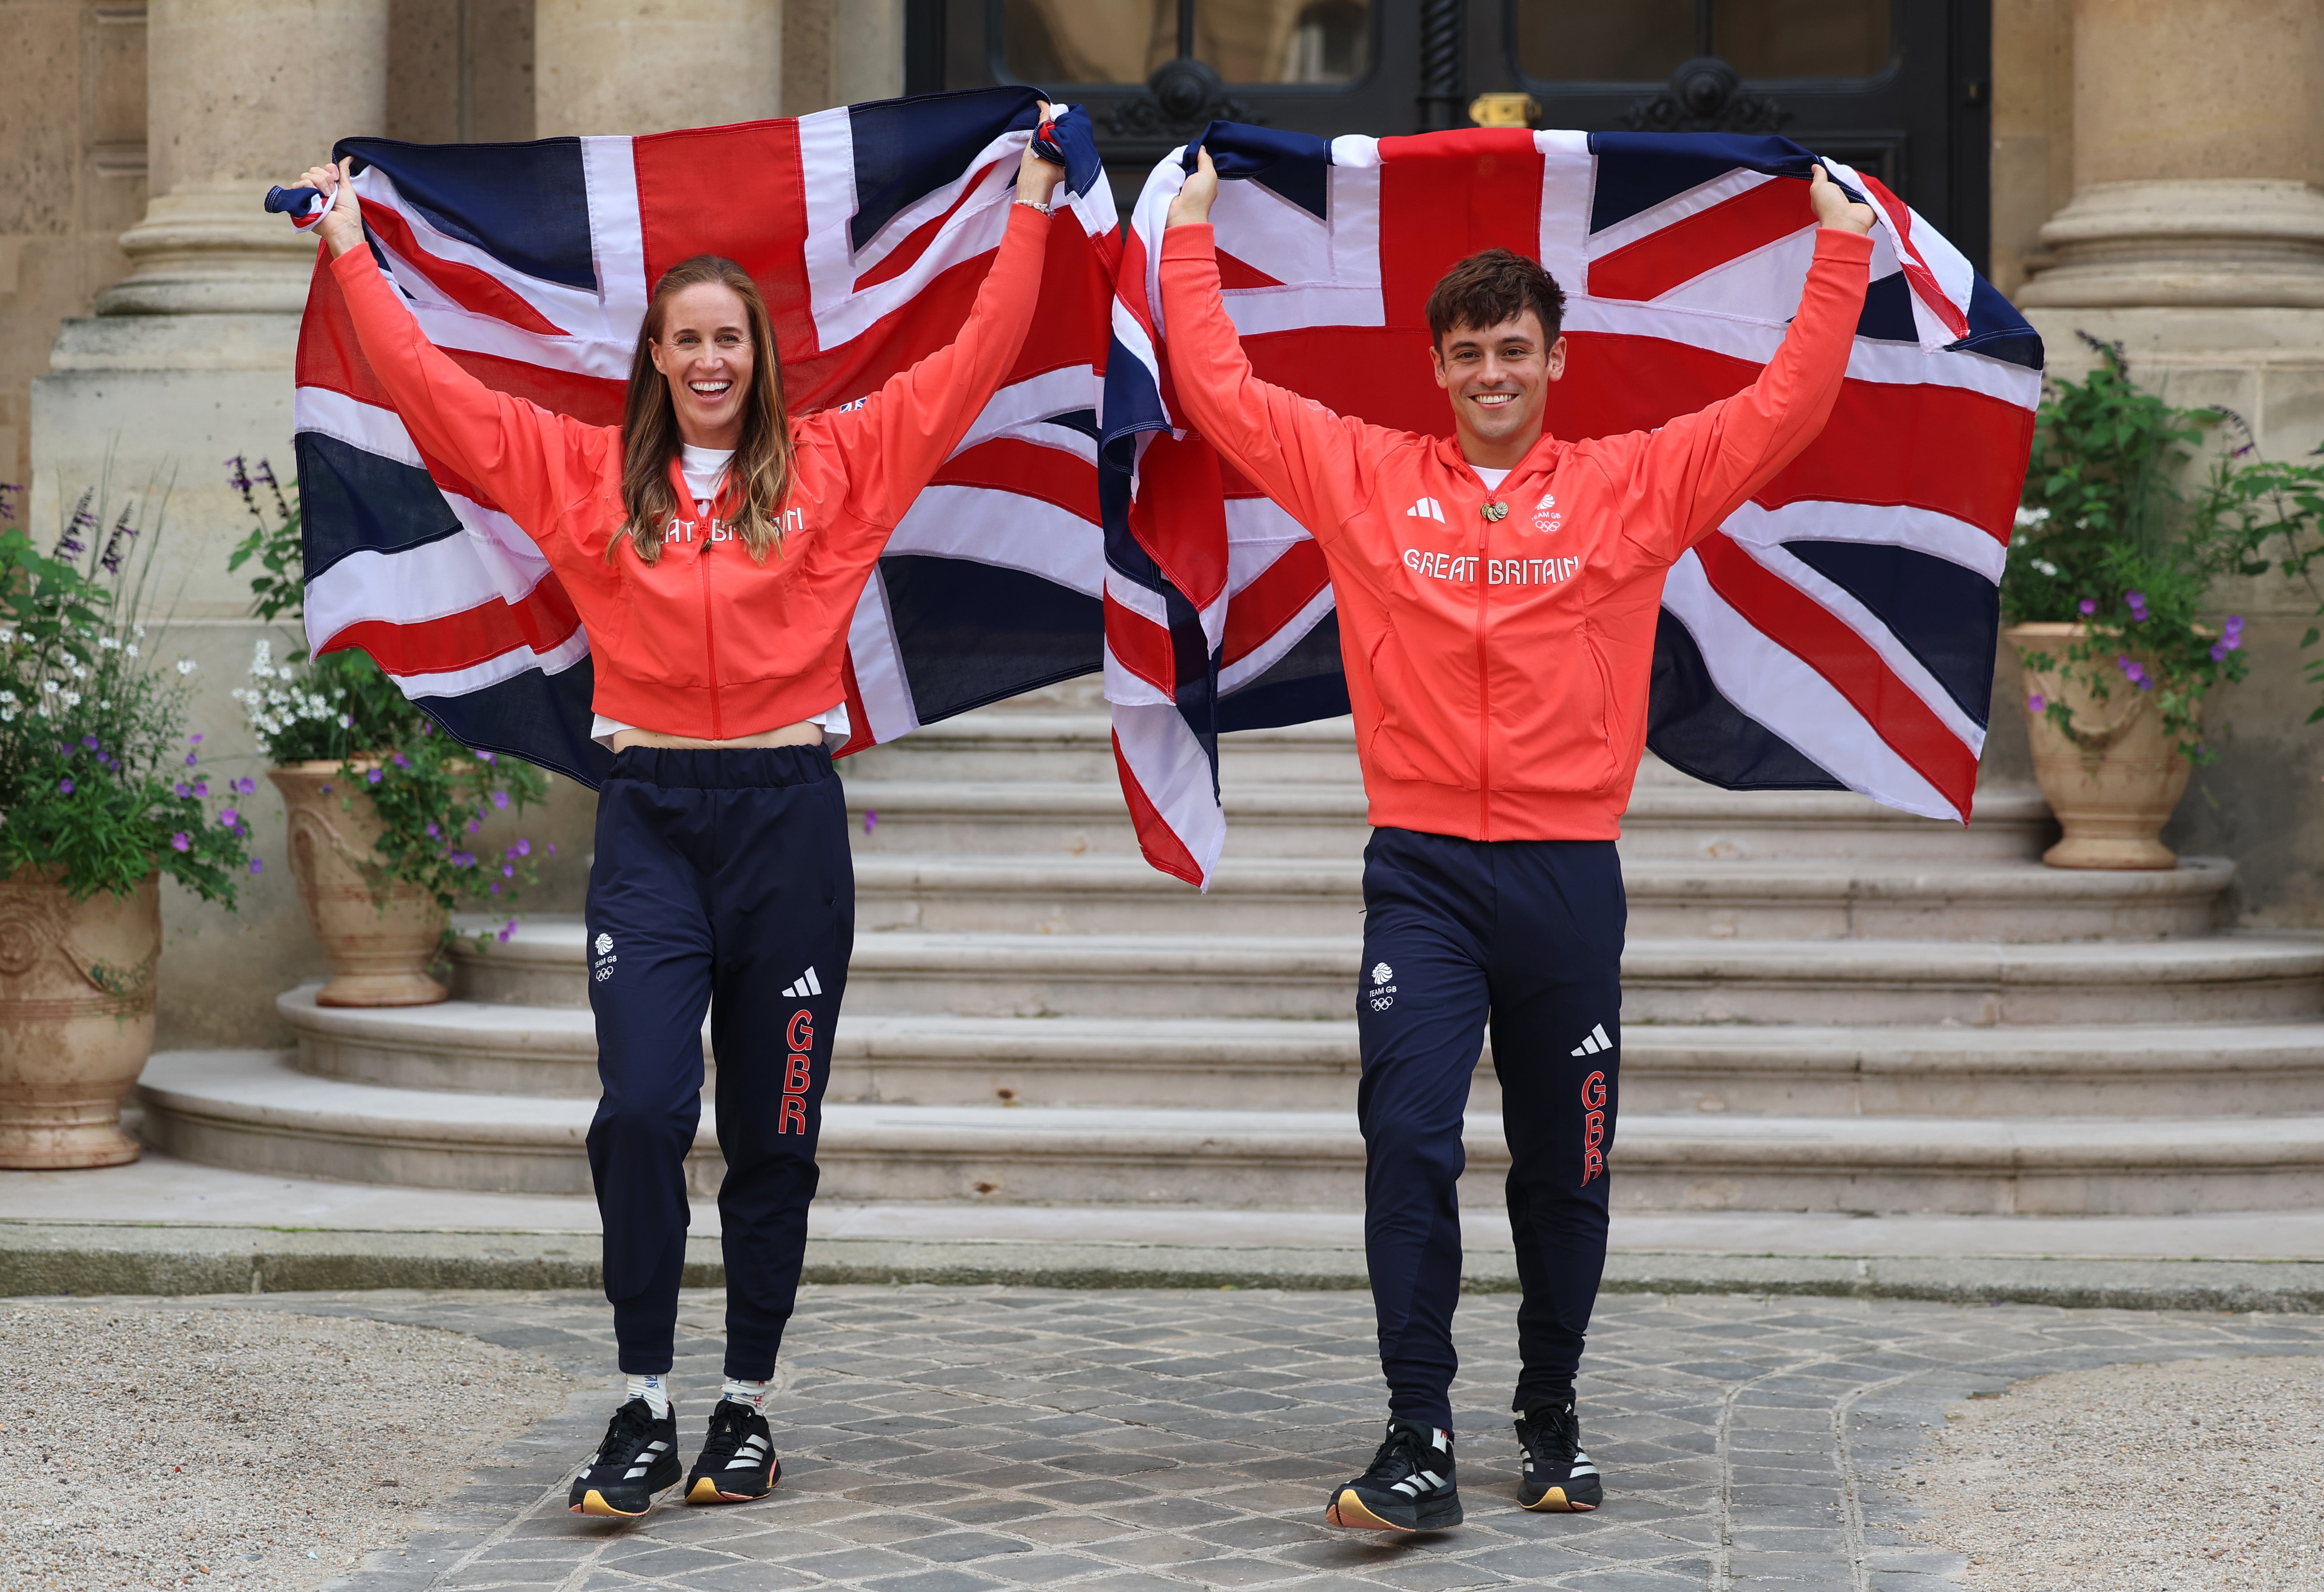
x,y
1497,597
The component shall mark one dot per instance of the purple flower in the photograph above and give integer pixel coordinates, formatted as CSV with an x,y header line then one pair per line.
x,y
552,848
229,817
870,821
192,758
522,847
202,789
463,859
373,777
2219,650
508,871
88,743
2037,703
246,785
2235,625
195,738
2137,604
434,833
500,799
326,789
181,841
496,887
184,790
2132,669
2088,606
257,867
400,760
474,826
65,787
503,935
487,756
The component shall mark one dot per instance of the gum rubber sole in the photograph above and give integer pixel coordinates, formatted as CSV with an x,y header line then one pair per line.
x,y
705,1491
594,1503
1556,1502
1346,1509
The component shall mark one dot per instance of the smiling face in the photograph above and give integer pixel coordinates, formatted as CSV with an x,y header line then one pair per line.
x,y
1497,377
705,353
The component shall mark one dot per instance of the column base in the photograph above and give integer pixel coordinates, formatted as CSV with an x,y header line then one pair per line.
x,y
211,252
2234,244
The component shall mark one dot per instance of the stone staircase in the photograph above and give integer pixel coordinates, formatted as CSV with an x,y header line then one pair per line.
x,y
1830,1007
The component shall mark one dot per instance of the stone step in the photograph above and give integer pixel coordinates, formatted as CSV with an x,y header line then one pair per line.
x,y
1280,818
256,1111
2229,979
2018,901
995,746
1269,1064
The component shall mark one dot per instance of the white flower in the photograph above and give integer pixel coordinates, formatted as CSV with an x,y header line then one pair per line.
x,y
2047,568
49,686
44,711
185,666
7,634
131,649
2027,518
72,698
137,630
108,643
106,706
7,716
77,672
7,696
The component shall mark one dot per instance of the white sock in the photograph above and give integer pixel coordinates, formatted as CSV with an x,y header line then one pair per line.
x,y
654,1391
753,1393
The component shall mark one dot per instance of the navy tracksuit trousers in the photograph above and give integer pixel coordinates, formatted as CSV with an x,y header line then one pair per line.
x,y
1529,934
722,882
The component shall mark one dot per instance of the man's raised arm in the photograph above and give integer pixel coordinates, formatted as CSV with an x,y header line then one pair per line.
x,y
1686,478
1292,449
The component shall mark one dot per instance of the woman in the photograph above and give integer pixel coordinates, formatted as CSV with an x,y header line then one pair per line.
x,y
715,548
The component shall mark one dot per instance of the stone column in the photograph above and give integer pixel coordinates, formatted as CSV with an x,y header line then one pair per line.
x,y
2195,238
649,66
2194,144
188,362
239,94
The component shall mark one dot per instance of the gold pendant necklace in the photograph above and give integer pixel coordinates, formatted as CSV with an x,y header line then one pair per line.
x,y
1496,511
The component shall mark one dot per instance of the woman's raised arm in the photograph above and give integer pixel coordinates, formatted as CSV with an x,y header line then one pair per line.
x,y
528,461
901,435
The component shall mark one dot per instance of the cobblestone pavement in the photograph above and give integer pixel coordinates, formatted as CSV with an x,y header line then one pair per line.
x,y
941,1439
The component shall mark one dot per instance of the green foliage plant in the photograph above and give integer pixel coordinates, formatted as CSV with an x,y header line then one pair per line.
x,y
2110,536
100,779
433,796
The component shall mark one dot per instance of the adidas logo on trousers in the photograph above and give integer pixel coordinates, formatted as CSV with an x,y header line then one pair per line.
x,y
808,985
1593,1042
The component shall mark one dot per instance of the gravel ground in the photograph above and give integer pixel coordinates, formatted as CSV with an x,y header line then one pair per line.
x,y
154,1446
2188,1476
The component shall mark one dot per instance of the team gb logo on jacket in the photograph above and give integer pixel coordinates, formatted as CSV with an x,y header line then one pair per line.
x,y
1547,518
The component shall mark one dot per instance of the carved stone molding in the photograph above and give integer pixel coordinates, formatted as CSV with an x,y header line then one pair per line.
x,y
1182,97
1705,96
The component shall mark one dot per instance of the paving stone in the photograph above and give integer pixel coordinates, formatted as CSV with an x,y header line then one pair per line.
x,y
956,1439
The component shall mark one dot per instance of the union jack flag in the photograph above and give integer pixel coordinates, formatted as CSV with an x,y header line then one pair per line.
x,y
869,229
1836,632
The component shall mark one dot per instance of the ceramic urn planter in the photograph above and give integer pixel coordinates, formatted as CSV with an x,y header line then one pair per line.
x,y
380,933
76,1018
2116,781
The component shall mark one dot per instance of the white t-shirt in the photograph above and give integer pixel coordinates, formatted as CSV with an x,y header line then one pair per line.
x,y
703,468
1491,478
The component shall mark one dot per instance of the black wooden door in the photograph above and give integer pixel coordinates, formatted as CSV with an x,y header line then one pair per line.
x,y
1897,87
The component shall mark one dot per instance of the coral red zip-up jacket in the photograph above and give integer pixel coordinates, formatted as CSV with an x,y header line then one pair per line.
x,y
704,641
1499,669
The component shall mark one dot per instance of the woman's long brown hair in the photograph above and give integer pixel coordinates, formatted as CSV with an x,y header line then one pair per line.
x,y
762,465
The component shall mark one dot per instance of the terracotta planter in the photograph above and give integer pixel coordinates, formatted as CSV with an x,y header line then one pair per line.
x,y
2116,781
380,934
76,1018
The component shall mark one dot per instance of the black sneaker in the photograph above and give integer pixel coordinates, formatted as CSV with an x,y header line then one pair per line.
x,y
638,1458
738,1460
1410,1486
1558,1475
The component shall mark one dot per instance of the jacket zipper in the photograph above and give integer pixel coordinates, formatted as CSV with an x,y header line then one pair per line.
x,y
709,632
1484,690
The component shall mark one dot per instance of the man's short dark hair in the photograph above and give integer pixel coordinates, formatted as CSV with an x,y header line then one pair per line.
x,y
1488,288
